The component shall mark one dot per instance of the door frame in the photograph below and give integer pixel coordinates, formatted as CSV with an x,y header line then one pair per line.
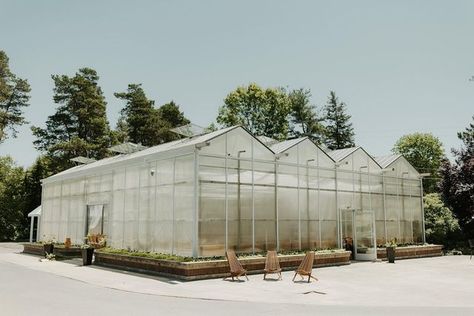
x,y
359,256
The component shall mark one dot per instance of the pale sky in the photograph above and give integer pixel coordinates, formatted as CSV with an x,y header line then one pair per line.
x,y
401,66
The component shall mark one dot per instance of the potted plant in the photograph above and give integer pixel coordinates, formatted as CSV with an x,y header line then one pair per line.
x,y
390,248
48,245
67,242
87,252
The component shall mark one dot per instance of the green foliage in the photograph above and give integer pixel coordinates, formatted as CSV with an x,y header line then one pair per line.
x,y
32,192
303,117
14,96
142,123
457,184
441,226
139,117
143,254
263,112
339,132
169,116
425,152
211,128
79,127
163,256
391,243
20,193
11,197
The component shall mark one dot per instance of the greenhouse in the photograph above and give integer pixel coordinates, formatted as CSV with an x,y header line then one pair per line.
x,y
228,189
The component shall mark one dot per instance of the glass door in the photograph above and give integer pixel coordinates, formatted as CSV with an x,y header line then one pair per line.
x,y
364,239
358,233
95,219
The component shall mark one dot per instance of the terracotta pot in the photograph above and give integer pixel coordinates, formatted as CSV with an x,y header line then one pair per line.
x,y
67,243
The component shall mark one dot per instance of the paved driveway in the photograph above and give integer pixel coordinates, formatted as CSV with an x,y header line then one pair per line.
x,y
433,286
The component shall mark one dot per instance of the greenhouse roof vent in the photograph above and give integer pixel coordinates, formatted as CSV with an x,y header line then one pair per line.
x,y
82,160
127,148
189,130
268,141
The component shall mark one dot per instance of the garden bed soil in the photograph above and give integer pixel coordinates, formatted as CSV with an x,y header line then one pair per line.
x,y
210,269
411,252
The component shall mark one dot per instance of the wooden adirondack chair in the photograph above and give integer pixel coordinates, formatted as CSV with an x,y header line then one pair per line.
x,y
306,267
272,265
236,268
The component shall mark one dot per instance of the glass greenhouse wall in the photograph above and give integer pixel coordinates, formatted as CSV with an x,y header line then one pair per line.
x,y
228,190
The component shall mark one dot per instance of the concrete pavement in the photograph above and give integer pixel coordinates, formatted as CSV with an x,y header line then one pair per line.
x,y
420,286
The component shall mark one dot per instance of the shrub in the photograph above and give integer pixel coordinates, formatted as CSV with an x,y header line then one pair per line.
x,y
441,226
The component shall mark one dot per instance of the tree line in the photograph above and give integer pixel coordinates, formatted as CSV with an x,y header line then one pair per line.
x,y
79,127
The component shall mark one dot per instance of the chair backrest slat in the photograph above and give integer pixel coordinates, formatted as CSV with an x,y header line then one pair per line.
x,y
307,263
234,263
271,262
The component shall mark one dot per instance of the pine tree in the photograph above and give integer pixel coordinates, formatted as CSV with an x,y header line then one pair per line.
x,y
304,120
139,118
170,117
79,127
339,132
142,123
14,96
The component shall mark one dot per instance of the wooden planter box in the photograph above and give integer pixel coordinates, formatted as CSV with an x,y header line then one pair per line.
x,y
33,249
59,251
411,252
73,252
209,269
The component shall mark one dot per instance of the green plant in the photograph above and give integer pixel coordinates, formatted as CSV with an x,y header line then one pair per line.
x,y
50,257
48,241
163,256
442,226
392,243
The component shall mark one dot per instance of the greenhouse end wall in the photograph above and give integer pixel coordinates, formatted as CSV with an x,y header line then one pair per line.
x,y
230,191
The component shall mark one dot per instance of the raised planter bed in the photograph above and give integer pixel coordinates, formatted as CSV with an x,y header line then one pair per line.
x,y
411,252
210,269
63,252
59,250
33,249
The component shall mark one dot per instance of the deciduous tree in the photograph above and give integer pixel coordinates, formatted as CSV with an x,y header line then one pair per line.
x,y
441,226
457,184
425,152
11,197
262,111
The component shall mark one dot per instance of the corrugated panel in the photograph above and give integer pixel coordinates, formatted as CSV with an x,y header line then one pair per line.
x,y
385,161
339,154
284,145
166,147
